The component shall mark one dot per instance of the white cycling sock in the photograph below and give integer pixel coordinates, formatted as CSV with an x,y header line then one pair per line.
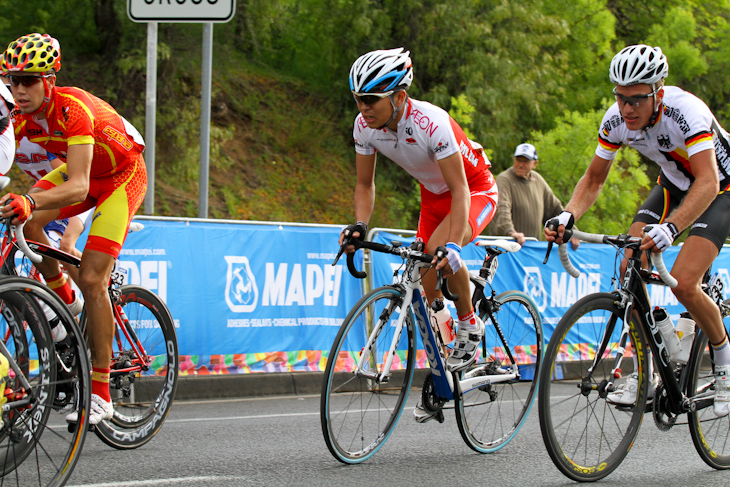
x,y
722,352
468,322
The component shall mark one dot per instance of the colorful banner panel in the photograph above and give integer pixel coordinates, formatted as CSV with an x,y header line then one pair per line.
x,y
250,297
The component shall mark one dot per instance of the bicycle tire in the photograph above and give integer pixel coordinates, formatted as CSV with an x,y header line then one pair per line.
x,y
358,414
141,401
586,436
710,434
36,448
489,416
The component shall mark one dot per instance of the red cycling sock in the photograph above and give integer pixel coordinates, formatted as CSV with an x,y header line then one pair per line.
x,y
100,383
60,286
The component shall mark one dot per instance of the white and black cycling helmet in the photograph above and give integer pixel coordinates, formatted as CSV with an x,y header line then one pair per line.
x,y
639,64
384,71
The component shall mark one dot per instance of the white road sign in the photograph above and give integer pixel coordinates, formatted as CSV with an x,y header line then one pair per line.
x,y
181,10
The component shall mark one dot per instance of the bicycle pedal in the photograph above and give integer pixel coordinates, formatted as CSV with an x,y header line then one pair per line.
x,y
440,416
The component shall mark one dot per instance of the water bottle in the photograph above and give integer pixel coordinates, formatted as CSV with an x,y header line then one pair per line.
x,y
664,323
686,333
444,321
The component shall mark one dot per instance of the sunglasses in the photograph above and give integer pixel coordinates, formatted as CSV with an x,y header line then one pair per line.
x,y
371,98
24,80
635,101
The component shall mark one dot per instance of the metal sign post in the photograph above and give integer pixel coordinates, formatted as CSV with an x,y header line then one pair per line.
x,y
186,11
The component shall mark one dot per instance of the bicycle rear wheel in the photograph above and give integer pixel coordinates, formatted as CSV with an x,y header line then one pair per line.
x,y
37,448
710,434
142,390
489,416
586,436
358,411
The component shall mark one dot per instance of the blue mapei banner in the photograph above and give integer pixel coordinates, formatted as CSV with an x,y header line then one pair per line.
x,y
236,290
264,297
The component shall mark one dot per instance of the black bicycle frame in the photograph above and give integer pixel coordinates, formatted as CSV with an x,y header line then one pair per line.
x,y
635,281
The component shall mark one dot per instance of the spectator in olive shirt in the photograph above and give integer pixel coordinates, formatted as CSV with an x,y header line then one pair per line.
x,y
525,199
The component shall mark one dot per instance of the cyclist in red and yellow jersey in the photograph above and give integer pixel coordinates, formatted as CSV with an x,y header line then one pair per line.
x,y
103,168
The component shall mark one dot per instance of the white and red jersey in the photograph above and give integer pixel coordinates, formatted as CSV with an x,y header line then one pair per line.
x,y
33,159
426,134
685,126
7,139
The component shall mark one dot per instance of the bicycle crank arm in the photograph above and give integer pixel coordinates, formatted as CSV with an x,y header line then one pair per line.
x,y
485,380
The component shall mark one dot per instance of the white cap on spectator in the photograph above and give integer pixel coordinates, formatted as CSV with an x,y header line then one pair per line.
x,y
526,150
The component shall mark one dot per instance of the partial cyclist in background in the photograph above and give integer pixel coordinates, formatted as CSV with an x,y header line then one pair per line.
x,y
678,131
103,167
458,192
7,140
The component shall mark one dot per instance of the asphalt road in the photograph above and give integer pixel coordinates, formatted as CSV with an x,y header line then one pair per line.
x,y
278,441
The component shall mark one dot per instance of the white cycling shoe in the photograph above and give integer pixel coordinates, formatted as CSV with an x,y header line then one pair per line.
x,y
466,347
421,415
721,406
100,410
625,394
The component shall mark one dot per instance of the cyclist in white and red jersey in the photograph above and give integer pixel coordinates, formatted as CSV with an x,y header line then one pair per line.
x,y
458,192
7,137
676,130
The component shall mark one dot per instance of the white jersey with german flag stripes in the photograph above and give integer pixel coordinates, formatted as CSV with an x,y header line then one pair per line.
x,y
426,134
685,127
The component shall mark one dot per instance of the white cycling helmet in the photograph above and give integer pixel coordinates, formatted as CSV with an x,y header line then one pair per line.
x,y
384,71
638,64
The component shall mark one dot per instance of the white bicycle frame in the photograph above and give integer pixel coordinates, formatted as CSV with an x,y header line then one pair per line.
x,y
443,380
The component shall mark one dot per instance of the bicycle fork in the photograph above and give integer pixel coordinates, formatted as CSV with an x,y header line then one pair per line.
x,y
367,353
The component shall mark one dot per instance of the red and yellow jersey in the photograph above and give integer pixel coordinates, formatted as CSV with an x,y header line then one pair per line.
x,y
76,117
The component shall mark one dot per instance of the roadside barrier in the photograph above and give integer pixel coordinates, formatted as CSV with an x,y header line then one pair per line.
x,y
264,297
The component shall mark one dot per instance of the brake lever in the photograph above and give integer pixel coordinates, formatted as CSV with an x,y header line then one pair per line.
x,y
551,225
441,283
567,235
345,242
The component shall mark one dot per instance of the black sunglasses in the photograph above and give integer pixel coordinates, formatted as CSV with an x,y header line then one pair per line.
x,y
24,80
371,99
635,101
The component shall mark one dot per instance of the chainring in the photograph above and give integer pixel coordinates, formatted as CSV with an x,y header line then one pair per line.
x,y
663,418
430,402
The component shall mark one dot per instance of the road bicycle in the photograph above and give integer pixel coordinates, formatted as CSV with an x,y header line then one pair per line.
x,y
370,366
144,366
586,435
37,380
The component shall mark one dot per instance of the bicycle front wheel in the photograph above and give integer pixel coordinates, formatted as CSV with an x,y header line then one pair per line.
x,y
586,436
710,434
144,369
44,382
360,403
490,415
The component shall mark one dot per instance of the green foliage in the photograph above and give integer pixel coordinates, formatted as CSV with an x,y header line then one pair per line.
x,y
281,146
461,111
565,153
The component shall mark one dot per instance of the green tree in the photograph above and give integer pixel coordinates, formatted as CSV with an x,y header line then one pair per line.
x,y
565,153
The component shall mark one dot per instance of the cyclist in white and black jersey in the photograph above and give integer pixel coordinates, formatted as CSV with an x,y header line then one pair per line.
x,y
676,130
684,126
458,192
